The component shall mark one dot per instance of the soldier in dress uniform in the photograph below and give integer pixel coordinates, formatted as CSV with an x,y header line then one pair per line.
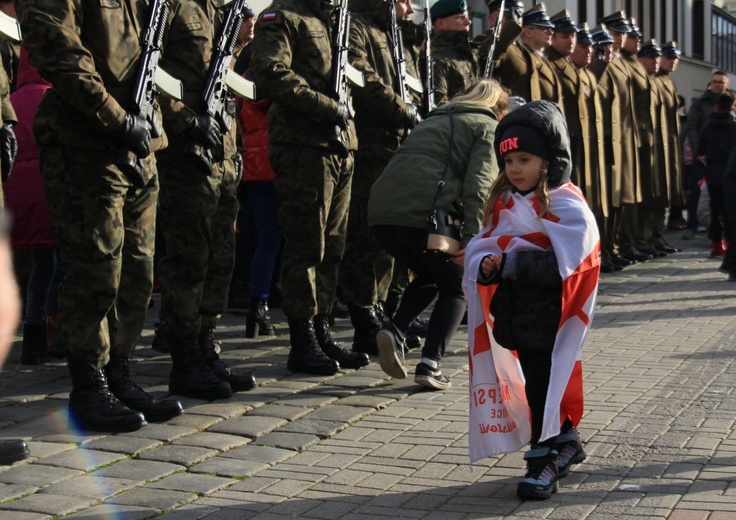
x,y
573,96
655,187
382,120
311,139
103,222
454,56
621,135
597,192
667,65
9,49
603,47
522,66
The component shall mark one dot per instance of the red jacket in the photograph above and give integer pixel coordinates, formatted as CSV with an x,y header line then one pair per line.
x,y
24,192
253,119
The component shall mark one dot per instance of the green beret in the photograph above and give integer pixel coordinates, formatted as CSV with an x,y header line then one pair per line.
x,y
443,8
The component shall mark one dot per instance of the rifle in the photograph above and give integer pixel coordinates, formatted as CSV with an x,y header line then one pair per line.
x,y
404,80
428,94
221,79
150,80
488,73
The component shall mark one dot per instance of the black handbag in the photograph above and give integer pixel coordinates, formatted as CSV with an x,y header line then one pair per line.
x,y
444,227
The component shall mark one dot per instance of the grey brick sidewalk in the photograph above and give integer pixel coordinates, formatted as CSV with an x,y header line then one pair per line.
x,y
660,413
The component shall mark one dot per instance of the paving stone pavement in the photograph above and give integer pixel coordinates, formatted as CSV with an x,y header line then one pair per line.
x,y
660,412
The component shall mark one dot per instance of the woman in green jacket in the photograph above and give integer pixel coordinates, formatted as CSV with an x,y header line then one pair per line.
x,y
446,163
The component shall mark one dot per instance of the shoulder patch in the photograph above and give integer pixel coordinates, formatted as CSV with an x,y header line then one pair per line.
x,y
268,16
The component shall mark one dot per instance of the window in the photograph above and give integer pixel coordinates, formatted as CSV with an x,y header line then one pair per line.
x,y
698,34
723,39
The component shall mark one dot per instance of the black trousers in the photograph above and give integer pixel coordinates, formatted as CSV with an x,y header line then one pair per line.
x,y
434,277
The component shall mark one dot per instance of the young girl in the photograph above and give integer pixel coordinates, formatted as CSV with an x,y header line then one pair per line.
x,y
531,277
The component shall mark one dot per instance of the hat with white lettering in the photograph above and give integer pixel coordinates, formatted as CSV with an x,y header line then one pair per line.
x,y
522,139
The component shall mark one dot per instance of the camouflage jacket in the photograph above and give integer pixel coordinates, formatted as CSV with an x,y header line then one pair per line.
x,y
456,64
413,54
291,63
379,110
89,52
188,48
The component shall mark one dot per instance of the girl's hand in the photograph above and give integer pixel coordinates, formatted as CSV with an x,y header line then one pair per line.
x,y
458,258
489,264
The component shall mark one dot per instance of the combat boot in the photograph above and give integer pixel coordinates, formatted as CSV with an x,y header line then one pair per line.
x,y
237,382
191,375
367,323
134,397
333,349
34,344
540,480
305,354
258,320
13,450
93,407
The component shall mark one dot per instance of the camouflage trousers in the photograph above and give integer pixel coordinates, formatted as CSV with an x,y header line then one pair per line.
x,y
313,187
196,218
105,230
366,269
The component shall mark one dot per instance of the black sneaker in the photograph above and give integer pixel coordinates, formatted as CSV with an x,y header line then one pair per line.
x,y
432,378
570,449
391,351
540,480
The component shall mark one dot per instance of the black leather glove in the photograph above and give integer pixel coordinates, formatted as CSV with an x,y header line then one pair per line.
x,y
238,162
134,134
412,116
342,118
8,150
204,130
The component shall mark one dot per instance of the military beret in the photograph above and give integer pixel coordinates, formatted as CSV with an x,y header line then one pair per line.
x,y
670,50
563,22
583,35
650,49
443,8
537,15
248,13
616,22
601,35
635,31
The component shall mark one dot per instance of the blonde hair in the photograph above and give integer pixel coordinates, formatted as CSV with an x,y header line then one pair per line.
x,y
485,93
502,184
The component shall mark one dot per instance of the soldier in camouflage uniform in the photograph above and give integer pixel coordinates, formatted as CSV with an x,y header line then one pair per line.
x,y
455,58
311,143
198,208
104,226
382,120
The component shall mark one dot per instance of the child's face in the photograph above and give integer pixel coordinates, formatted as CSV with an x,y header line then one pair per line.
x,y
523,169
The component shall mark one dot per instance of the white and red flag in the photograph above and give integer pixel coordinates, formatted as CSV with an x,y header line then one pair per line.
x,y
499,413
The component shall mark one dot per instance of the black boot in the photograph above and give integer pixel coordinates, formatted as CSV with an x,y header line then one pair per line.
x,y
93,407
134,397
191,375
305,354
34,344
13,450
162,338
237,382
540,480
333,349
367,323
258,321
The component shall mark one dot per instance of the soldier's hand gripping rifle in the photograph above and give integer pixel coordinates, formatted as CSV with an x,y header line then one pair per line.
x,y
488,72
404,81
428,72
150,80
219,104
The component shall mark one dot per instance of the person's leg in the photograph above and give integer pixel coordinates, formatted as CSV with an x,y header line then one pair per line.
x,y
86,195
34,328
262,201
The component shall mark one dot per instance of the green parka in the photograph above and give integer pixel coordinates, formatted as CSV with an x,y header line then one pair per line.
x,y
404,193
